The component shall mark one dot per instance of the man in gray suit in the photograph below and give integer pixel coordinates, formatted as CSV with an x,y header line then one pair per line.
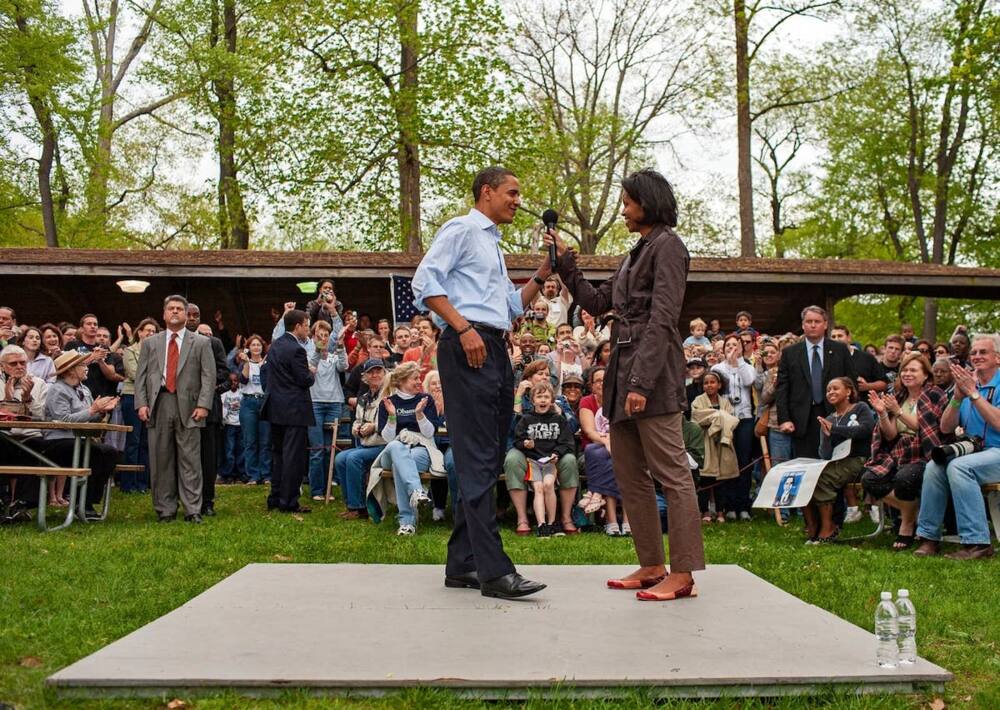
x,y
174,388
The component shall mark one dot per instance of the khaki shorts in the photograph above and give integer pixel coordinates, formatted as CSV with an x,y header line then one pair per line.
x,y
835,477
515,467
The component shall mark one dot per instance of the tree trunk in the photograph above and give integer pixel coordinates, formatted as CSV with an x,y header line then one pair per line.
x,y
407,111
45,125
100,171
930,319
748,242
234,228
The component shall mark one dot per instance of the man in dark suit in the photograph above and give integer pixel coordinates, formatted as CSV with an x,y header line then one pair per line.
x,y
211,435
288,407
803,373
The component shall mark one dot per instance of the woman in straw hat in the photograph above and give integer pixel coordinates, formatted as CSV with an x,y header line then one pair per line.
x,y
69,400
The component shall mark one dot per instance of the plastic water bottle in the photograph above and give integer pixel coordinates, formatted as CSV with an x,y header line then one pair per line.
x,y
886,632
907,624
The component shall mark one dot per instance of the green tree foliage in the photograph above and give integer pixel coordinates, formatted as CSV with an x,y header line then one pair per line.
x,y
912,167
37,63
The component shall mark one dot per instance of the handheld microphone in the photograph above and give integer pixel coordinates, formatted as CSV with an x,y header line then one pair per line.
x,y
550,218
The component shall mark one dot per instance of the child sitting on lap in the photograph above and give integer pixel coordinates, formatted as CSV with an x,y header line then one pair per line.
x,y
543,436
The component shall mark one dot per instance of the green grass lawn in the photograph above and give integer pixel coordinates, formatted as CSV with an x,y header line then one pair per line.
x,y
64,595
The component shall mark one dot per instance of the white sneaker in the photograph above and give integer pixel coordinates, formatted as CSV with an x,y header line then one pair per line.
x,y
744,515
612,530
406,530
852,515
626,530
873,513
418,497
438,515
731,515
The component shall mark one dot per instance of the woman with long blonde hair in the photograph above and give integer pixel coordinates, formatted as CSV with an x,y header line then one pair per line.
x,y
407,420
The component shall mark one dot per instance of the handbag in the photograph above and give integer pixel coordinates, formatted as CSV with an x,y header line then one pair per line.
x,y
760,428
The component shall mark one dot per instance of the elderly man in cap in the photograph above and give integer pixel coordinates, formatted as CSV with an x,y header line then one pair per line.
x,y
69,400
353,464
24,395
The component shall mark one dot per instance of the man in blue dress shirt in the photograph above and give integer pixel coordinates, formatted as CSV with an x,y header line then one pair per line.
x,y
464,281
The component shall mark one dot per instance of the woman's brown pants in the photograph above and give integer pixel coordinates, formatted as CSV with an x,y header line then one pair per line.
x,y
653,448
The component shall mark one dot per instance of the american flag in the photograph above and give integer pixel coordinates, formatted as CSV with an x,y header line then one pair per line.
x,y
402,299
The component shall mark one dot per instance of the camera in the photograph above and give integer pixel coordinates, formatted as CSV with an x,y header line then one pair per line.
x,y
328,297
529,315
943,454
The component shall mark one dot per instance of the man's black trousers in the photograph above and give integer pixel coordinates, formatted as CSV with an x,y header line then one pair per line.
x,y
480,405
289,462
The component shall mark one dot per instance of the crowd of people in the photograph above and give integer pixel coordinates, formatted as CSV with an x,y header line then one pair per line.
x,y
209,406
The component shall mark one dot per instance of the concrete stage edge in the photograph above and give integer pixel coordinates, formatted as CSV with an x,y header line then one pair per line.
x,y
351,629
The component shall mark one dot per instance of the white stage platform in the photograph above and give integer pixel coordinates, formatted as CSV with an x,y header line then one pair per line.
x,y
369,629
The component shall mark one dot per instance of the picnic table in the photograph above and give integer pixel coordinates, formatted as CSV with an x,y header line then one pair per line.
x,y
83,434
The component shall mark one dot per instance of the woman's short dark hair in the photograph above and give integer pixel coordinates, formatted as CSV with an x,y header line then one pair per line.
x,y
319,285
654,195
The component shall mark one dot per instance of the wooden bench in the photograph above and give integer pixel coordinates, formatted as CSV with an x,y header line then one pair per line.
x,y
44,473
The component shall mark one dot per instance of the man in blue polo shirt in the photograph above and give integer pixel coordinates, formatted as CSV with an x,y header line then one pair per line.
x,y
975,407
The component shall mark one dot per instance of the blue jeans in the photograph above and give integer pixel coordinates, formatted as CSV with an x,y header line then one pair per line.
x,y
256,440
406,465
319,445
233,465
779,446
962,478
136,448
352,471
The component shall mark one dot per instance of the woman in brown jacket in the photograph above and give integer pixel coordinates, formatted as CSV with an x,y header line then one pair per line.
x,y
644,393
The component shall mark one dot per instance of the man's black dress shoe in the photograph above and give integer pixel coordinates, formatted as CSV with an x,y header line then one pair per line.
x,y
469,580
195,518
166,518
510,586
208,510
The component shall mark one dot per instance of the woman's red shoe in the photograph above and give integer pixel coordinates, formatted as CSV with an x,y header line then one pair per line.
x,y
635,583
687,591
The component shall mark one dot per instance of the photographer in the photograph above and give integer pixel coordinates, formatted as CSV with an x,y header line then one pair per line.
x,y
325,306
975,407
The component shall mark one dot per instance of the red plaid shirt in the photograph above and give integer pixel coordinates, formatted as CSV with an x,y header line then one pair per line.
x,y
910,448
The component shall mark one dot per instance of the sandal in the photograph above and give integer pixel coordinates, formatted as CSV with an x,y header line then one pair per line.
x,y
596,503
688,591
820,540
903,542
523,528
635,583
612,530
570,529
706,519
720,518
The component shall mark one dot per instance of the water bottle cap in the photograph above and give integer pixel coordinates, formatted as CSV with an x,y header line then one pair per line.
x,y
904,592
886,596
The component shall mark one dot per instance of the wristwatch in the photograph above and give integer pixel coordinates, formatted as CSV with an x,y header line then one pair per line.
x,y
974,396
540,282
